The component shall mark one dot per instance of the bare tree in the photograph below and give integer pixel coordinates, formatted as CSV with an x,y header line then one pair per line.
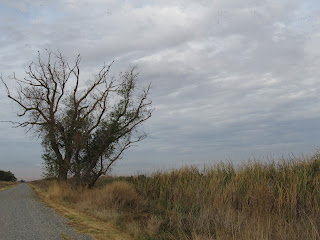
x,y
85,129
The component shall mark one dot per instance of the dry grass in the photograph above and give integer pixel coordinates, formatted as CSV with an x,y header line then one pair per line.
x,y
274,200
5,185
117,204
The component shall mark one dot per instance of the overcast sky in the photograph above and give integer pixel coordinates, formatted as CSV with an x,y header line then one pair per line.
x,y
231,79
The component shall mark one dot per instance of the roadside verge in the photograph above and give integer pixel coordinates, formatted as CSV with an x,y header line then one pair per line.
x,y
82,222
6,185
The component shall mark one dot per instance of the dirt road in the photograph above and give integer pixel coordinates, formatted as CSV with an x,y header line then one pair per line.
x,y
23,217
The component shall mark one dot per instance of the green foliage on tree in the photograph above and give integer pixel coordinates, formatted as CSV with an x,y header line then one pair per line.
x,y
7,176
85,126
50,166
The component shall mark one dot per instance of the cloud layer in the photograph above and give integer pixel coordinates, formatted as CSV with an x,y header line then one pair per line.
x,y
230,78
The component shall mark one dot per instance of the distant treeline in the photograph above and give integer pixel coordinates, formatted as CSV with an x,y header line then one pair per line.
x,y
7,176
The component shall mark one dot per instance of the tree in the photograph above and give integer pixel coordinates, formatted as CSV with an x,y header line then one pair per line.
x,y
50,166
7,176
85,128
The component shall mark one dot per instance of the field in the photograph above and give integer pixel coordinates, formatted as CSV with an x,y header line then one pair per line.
x,y
257,200
4,185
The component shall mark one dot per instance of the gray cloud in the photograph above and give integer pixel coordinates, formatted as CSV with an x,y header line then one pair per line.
x,y
229,79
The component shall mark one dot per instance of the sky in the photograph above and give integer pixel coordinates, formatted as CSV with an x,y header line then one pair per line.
x,y
231,80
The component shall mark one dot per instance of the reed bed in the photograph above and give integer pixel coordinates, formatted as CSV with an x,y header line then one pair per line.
x,y
257,200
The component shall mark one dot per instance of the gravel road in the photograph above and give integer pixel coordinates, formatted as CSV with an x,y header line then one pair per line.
x,y
23,217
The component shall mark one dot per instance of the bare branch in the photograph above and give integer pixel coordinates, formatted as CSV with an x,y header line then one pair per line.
x,y
85,131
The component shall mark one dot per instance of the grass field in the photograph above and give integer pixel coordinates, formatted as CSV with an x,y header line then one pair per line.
x,y
257,200
4,185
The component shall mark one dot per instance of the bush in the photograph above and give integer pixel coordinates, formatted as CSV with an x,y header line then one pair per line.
x,y
7,176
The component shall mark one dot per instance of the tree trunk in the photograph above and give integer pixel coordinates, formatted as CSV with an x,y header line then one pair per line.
x,y
63,173
77,169
93,180
77,176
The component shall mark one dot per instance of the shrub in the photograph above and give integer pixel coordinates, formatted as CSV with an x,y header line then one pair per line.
x,y
7,176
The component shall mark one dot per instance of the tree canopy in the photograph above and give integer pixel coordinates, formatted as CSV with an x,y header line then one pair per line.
x,y
85,126
7,176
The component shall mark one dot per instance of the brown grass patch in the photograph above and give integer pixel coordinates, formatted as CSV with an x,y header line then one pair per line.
x,y
66,200
258,200
4,185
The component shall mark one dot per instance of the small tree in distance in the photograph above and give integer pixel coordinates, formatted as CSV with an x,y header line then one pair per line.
x,y
84,129
7,176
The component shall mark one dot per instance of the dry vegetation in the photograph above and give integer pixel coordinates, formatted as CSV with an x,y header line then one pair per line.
x,y
4,185
274,200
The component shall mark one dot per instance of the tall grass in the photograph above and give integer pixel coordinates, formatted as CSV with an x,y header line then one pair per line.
x,y
4,185
257,200
272,200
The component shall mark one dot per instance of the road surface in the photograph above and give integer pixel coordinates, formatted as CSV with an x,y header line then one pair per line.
x,y
23,217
